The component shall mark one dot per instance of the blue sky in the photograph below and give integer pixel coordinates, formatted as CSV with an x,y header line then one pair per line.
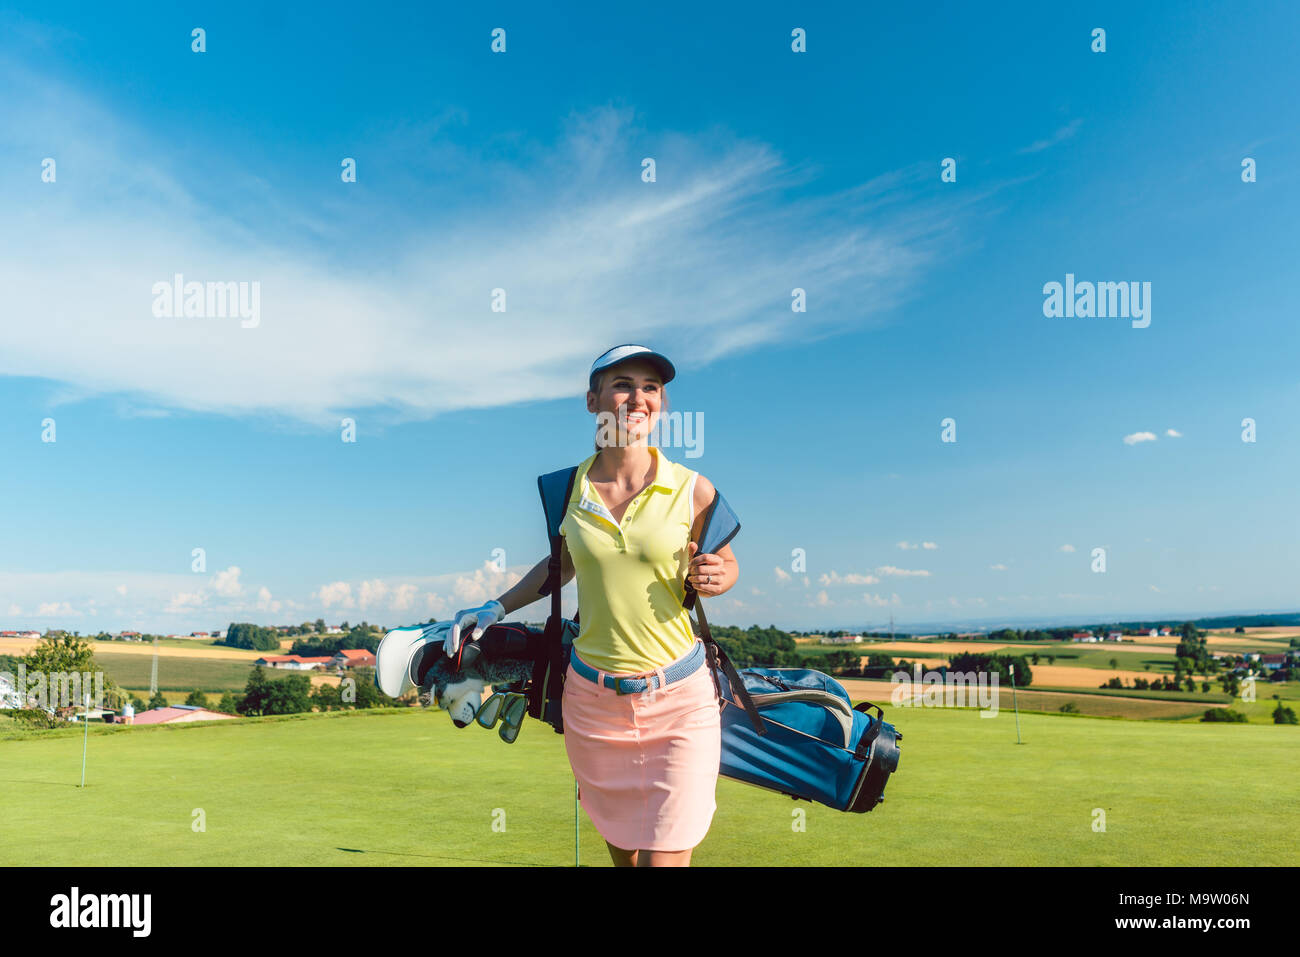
x,y
522,171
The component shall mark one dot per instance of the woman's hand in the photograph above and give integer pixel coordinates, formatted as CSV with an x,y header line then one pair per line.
x,y
711,574
480,619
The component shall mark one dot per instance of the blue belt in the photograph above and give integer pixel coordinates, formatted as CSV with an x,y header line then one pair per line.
x,y
679,669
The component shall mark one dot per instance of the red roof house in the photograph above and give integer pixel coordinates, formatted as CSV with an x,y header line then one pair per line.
x,y
294,662
179,714
354,658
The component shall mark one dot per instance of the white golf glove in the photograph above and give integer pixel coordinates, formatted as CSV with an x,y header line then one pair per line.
x,y
480,619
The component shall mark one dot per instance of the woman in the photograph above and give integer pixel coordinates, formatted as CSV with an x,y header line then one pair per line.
x,y
646,762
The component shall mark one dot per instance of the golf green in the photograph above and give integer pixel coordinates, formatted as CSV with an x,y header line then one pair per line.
x,y
404,787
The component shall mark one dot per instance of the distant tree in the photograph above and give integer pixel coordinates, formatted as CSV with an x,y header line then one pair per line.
x,y
289,695
1051,659
157,701
1239,630
229,703
197,698
1283,715
368,694
989,664
138,704
320,625
1205,687
1034,657
265,695
1114,662
1224,715
256,692
247,635
326,698
57,652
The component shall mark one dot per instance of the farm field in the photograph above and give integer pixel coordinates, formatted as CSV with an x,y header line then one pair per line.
x,y
168,649
880,692
177,673
185,674
1070,676
183,665
903,649
1115,703
377,780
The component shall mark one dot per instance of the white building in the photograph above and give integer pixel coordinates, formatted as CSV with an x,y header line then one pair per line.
x,y
9,698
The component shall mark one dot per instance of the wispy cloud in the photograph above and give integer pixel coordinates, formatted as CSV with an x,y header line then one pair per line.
x,y
852,578
1062,134
902,572
880,601
1173,433
585,252
1137,437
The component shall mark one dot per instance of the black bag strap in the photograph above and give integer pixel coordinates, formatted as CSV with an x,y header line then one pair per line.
x,y
716,654
547,679
720,527
864,744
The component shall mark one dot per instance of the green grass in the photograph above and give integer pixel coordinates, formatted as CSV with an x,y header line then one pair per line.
x,y
1099,658
1102,707
1215,697
177,674
213,675
1261,709
404,787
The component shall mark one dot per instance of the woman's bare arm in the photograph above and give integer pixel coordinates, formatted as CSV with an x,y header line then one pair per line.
x,y
528,589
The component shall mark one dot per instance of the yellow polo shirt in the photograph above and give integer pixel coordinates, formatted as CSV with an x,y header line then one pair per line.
x,y
632,574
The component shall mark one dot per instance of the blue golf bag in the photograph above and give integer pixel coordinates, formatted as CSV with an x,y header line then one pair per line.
x,y
815,746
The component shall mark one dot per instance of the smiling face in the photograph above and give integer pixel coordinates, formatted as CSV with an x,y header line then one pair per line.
x,y
629,398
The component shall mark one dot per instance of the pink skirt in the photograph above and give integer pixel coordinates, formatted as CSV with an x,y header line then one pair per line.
x,y
646,763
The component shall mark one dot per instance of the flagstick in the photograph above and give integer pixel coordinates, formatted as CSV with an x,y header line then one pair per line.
x,y
575,823
85,719
1015,704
